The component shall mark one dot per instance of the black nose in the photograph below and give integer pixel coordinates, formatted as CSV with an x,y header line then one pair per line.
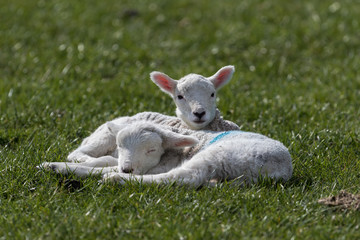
x,y
199,114
127,170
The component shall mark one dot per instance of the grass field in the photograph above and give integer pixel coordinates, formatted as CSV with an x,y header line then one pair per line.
x,y
68,66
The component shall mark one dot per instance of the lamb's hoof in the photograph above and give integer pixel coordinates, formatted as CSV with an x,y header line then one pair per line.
x,y
45,166
51,166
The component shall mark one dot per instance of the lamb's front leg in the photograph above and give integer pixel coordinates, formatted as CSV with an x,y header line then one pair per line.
x,y
98,144
183,176
76,168
105,161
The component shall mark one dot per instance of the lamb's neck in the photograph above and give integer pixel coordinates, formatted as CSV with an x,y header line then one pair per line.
x,y
219,124
215,122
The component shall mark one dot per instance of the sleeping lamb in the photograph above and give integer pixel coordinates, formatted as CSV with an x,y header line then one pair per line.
x,y
147,148
195,99
223,156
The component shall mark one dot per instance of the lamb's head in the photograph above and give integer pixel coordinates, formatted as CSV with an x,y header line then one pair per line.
x,y
194,95
141,145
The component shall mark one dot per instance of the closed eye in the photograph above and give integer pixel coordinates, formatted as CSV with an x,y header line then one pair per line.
x,y
151,150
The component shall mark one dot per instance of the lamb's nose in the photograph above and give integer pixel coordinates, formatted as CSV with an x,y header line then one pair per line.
x,y
127,170
199,114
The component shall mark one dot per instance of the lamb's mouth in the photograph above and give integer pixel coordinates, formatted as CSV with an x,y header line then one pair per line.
x,y
199,121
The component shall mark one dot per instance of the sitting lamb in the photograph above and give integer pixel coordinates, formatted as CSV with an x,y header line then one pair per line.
x,y
195,99
146,148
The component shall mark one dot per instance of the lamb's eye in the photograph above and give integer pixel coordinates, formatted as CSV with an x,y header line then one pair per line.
x,y
213,95
151,150
180,97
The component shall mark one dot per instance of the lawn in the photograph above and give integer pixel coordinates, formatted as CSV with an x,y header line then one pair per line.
x,y
68,66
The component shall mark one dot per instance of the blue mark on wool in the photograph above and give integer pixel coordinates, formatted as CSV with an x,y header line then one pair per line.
x,y
222,135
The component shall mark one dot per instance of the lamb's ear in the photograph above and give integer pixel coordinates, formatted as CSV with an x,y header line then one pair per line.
x,y
222,77
179,141
115,128
176,140
165,83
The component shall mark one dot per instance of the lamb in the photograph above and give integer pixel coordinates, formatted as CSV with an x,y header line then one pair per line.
x,y
223,156
194,96
147,148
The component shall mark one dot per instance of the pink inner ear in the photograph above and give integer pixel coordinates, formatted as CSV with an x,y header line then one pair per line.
x,y
163,82
184,143
223,76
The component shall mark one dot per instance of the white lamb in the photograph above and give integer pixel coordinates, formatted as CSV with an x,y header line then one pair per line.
x,y
195,99
146,148
224,156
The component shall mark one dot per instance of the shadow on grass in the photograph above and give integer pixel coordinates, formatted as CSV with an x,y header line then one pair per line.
x,y
298,181
72,183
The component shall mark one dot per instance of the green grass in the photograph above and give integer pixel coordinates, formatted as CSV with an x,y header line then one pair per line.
x,y
68,66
